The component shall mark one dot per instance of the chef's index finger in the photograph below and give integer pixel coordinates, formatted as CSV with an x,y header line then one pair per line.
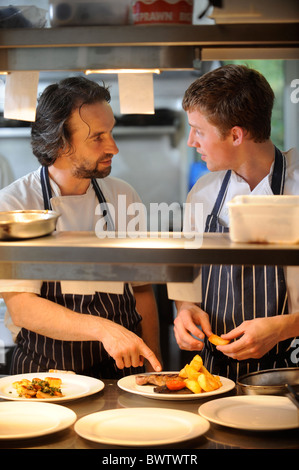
x,y
148,354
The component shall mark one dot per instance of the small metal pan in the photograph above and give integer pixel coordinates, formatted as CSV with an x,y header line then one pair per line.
x,y
16,225
268,382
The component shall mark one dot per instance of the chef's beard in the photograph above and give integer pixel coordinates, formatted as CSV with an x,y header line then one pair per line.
x,y
82,171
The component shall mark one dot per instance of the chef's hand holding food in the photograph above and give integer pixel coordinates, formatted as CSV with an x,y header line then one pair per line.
x,y
190,326
252,339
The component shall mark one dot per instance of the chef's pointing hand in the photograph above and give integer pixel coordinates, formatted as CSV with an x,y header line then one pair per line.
x,y
126,348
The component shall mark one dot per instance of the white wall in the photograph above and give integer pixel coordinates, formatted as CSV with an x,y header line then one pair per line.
x,y
18,154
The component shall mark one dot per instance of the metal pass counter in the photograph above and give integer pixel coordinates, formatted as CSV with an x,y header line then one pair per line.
x,y
167,257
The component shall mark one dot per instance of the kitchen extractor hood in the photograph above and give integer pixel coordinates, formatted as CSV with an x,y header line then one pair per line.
x,y
164,48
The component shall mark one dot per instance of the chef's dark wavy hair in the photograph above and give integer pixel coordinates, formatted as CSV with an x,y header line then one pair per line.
x,y
233,95
50,132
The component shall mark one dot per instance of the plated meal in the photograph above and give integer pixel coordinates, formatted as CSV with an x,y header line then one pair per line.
x,y
48,386
193,381
193,378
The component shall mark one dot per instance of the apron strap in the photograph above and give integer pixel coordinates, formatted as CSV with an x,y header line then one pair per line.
x,y
279,170
46,187
221,195
212,219
102,200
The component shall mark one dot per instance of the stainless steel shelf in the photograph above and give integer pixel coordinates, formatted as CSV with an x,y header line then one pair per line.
x,y
165,47
274,34
83,256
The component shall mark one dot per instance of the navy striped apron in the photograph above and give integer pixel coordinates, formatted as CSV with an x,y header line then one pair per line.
x,y
36,353
233,294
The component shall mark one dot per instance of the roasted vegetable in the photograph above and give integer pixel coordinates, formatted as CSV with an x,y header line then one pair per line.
x,y
217,340
38,388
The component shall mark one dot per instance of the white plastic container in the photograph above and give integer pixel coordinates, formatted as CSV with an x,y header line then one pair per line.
x,y
264,219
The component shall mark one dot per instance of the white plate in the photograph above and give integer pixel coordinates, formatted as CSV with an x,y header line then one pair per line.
x,y
128,384
141,426
73,386
25,420
252,412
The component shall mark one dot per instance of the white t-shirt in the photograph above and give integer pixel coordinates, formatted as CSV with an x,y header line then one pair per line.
x,y
78,213
206,189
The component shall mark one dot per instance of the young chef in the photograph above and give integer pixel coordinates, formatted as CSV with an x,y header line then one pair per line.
x,y
87,327
229,113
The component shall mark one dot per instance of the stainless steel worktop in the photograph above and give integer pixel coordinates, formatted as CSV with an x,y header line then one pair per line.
x,y
112,397
162,258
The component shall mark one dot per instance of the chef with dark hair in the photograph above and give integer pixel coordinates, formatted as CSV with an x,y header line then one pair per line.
x,y
92,328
